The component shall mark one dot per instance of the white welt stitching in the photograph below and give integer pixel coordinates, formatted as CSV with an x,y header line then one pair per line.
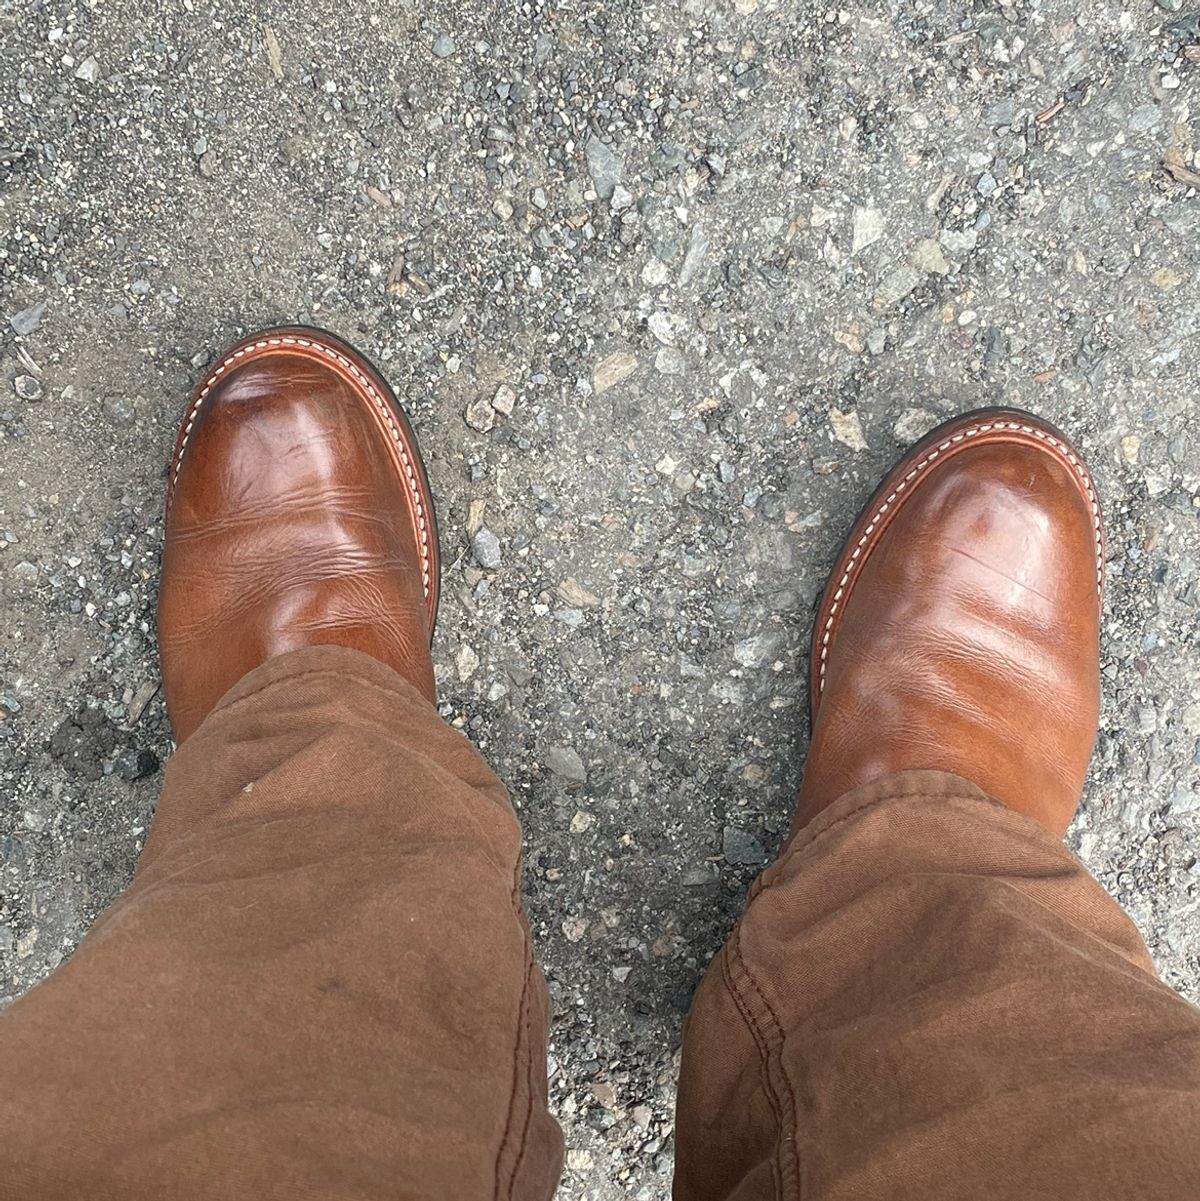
x,y
974,431
380,403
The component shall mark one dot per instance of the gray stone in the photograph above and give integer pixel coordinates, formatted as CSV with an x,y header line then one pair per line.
x,y
27,320
27,387
505,400
1185,802
670,361
480,415
996,350
485,546
927,256
466,662
696,257
622,199
847,429
655,273
897,285
741,847
1145,118
119,410
133,765
959,243
664,327
868,229
1001,112
760,650
443,46
88,70
565,763
604,166
912,425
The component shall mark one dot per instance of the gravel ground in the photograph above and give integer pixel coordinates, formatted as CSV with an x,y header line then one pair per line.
x,y
666,288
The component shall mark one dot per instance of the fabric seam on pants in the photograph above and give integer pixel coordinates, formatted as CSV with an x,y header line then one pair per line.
x,y
764,1024
521,1042
759,1045
758,1013
530,1092
518,878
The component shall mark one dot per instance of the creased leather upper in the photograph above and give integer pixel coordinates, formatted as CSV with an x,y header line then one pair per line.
x,y
968,640
289,525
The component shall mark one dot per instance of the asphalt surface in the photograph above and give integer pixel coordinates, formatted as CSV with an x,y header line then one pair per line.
x,y
665,288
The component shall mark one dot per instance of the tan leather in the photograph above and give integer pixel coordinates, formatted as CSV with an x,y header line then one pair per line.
x,y
960,628
298,514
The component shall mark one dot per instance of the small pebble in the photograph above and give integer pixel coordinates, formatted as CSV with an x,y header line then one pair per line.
x,y
27,387
505,400
88,70
564,761
480,415
485,546
28,320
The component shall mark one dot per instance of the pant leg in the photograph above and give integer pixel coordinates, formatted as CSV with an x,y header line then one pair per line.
x,y
318,985
929,997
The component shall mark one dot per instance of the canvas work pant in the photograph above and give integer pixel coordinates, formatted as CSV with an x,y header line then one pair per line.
x,y
320,984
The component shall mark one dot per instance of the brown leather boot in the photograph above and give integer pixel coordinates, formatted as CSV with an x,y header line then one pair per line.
x,y
298,514
960,628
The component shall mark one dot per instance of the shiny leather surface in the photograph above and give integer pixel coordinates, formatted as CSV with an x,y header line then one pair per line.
x,y
298,515
966,636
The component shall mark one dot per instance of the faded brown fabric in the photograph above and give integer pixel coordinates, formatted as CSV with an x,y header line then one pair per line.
x,y
929,997
319,985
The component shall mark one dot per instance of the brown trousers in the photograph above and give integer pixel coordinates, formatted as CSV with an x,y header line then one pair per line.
x,y
320,985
